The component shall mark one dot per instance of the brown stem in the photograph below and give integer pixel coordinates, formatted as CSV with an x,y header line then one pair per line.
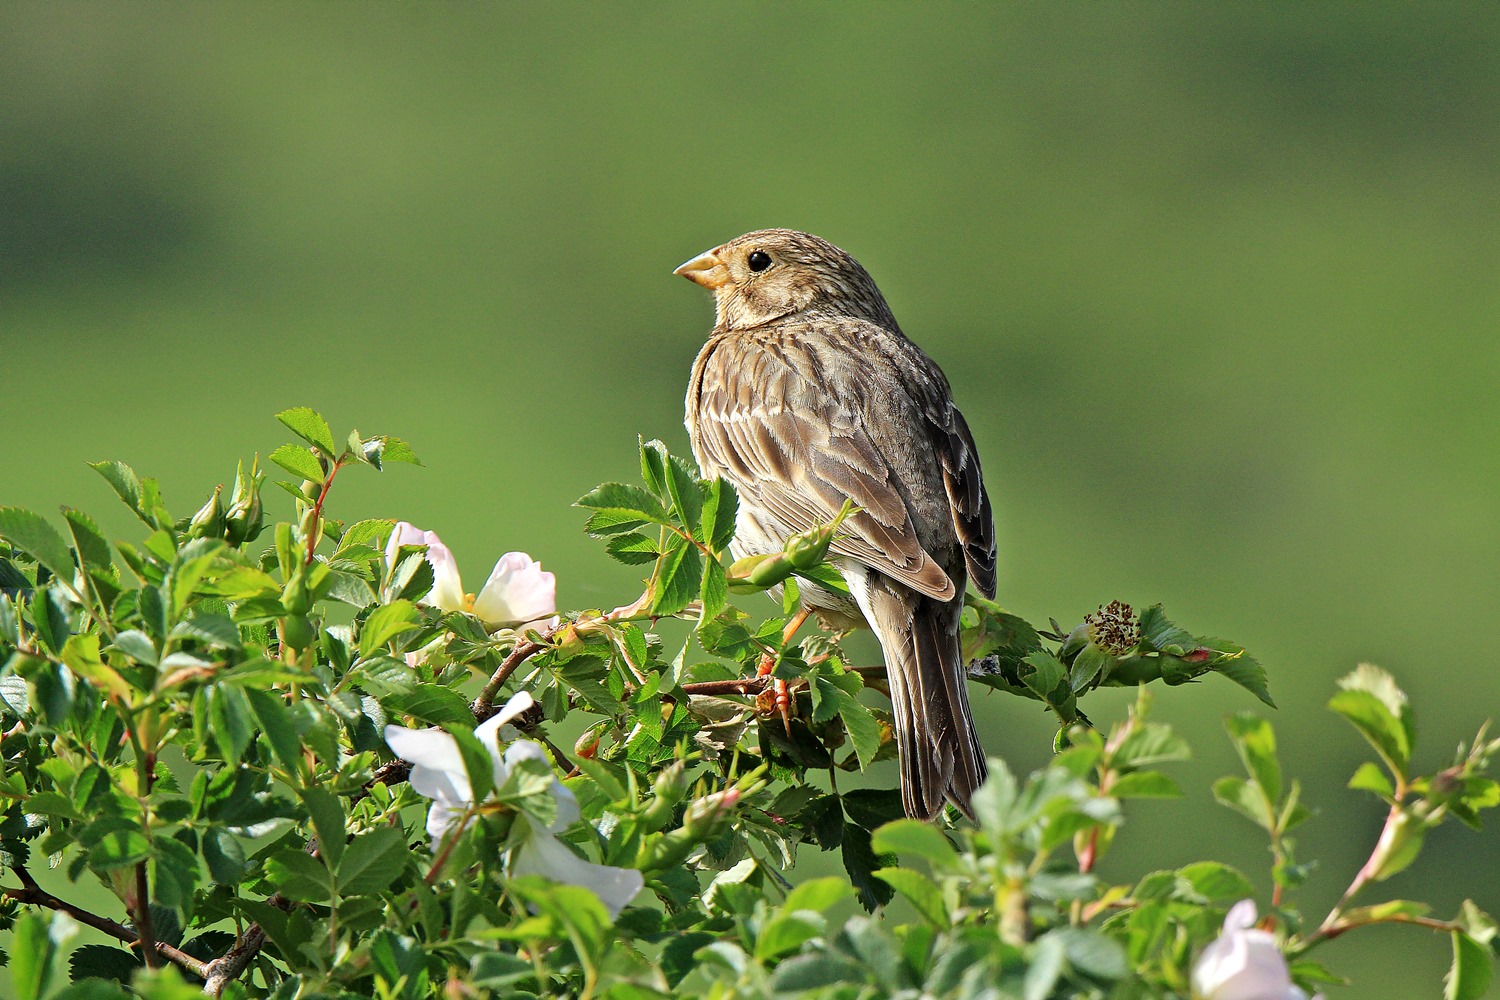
x,y
33,894
143,918
484,705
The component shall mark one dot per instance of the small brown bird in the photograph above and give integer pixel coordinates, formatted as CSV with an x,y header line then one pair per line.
x,y
807,394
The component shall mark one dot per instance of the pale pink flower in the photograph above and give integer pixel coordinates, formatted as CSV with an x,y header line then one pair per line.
x,y
517,591
1244,963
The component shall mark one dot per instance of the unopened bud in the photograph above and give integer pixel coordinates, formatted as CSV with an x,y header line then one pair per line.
x,y
669,788
707,816
1400,843
758,572
295,597
806,550
245,517
209,521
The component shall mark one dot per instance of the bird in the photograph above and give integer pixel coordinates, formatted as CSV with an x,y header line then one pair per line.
x,y
807,394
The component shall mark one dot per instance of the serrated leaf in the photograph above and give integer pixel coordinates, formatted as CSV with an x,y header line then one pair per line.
x,y
1375,706
174,871
679,574
1370,778
126,484
372,862
623,500
1245,799
89,542
278,728
298,875
31,533
309,425
1145,785
817,894
714,591
385,623
720,505
631,548
860,862
1255,741
299,462
786,932
687,501
924,895
225,856
328,821
1469,976
137,645
910,836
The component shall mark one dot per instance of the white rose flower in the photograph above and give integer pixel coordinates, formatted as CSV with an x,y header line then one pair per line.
x,y
1244,963
517,591
438,773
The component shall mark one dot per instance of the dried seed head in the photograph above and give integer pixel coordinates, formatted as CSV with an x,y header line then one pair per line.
x,y
1113,628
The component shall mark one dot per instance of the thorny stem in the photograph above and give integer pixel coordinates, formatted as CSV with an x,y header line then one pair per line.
x,y
484,705
316,533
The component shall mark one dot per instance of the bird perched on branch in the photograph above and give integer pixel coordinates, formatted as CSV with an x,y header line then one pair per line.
x,y
807,394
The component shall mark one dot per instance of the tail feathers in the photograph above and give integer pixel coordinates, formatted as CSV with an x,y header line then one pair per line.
x,y
939,750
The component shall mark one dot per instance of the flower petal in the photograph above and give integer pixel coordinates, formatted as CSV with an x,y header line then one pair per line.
x,y
404,533
545,855
516,591
567,802
447,588
437,767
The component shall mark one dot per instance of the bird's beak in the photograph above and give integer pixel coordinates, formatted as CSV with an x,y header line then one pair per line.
x,y
706,269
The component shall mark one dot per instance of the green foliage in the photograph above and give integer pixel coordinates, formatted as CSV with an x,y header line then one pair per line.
x,y
199,724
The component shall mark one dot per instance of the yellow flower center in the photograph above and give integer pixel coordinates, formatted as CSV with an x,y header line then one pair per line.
x,y
469,603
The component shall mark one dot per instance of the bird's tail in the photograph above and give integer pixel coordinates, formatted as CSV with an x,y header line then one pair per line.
x,y
940,752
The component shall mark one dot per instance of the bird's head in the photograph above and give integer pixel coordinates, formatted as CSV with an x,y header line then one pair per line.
x,y
774,273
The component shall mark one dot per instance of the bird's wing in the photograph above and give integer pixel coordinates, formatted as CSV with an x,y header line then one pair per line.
x,y
973,518
793,450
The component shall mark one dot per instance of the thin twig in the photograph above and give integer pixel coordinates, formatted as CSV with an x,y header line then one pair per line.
x,y
33,894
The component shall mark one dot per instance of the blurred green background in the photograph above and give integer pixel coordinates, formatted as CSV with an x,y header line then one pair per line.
x,y
1217,288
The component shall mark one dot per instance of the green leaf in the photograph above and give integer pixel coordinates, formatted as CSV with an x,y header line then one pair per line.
x,y
225,856
119,848
174,871
1245,799
32,534
127,484
632,548
1214,882
624,501
714,593
298,875
431,705
89,542
1145,785
679,574
1370,778
817,894
720,505
861,861
385,623
1372,702
138,646
786,932
802,973
910,836
309,425
278,728
1469,976
918,888
230,719
37,950
687,501
328,821
378,450
372,862
478,761
1255,740
299,462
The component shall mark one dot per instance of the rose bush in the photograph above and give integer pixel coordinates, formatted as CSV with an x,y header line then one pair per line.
x,y
276,747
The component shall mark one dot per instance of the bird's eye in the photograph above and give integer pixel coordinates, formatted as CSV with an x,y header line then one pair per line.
x,y
759,260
